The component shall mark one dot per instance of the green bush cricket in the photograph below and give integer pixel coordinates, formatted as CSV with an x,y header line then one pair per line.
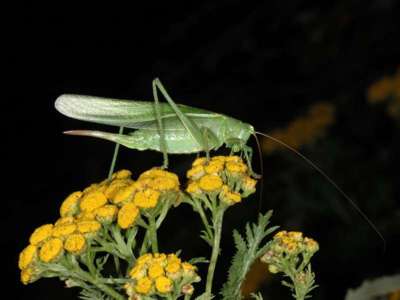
x,y
172,128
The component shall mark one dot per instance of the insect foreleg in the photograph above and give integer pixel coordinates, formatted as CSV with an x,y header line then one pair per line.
x,y
248,153
163,144
238,145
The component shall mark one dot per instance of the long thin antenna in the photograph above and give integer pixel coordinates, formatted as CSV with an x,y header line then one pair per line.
x,y
355,206
260,157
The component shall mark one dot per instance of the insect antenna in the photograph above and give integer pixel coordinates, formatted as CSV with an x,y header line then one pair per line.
x,y
260,157
318,169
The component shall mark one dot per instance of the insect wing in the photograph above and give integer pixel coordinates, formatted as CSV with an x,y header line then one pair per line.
x,y
116,112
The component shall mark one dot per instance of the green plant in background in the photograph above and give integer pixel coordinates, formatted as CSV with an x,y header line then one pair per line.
x,y
105,240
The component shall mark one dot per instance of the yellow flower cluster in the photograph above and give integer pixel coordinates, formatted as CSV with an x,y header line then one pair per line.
x,y
288,244
83,213
303,130
387,90
120,198
225,176
161,274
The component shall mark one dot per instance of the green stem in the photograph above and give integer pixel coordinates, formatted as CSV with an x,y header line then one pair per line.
x,y
96,282
114,159
217,224
153,234
143,249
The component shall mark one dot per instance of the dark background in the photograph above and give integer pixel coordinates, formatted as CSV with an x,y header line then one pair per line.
x,y
264,63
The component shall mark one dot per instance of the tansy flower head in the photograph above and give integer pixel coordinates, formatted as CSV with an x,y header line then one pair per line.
x,y
64,230
92,200
70,205
143,285
229,197
40,234
27,256
106,214
64,221
29,274
75,243
210,183
51,250
155,270
121,174
88,227
195,172
115,186
127,215
147,198
124,194
164,284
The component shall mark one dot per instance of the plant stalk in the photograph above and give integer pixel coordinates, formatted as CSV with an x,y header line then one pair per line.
x,y
217,224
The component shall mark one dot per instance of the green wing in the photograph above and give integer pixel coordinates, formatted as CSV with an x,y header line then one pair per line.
x,y
116,112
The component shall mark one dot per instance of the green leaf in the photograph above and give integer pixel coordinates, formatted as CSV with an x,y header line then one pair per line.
x,y
247,251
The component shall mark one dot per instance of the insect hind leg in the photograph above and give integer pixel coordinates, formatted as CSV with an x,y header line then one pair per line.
x,y
163,144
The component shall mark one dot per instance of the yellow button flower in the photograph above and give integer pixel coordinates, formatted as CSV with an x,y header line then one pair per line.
x,y
249,183
147,198
106,213
41,233
124,194
64,230
92,200
86,216
64,221
163,284
70,204
193,188
88,226
196,172
144,258
188,268
137,272
214,167
51,250
121,174
210,183
233,158
75,243
164,184
236,167
155,270
173,267
27,275
199,161
127,215
27,256
230,197
115,186
143,285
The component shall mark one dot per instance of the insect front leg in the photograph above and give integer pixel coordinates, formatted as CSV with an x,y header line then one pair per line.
x,y
238,145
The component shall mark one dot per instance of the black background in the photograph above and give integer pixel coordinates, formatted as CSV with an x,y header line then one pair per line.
x,y
263,62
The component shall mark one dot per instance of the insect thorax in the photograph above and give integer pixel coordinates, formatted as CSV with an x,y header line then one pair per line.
x,y
237,130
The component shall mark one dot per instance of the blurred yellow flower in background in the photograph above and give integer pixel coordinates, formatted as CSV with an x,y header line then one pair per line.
x,y
303,130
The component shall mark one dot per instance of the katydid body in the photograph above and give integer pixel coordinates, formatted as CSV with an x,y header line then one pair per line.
x,y
140,115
